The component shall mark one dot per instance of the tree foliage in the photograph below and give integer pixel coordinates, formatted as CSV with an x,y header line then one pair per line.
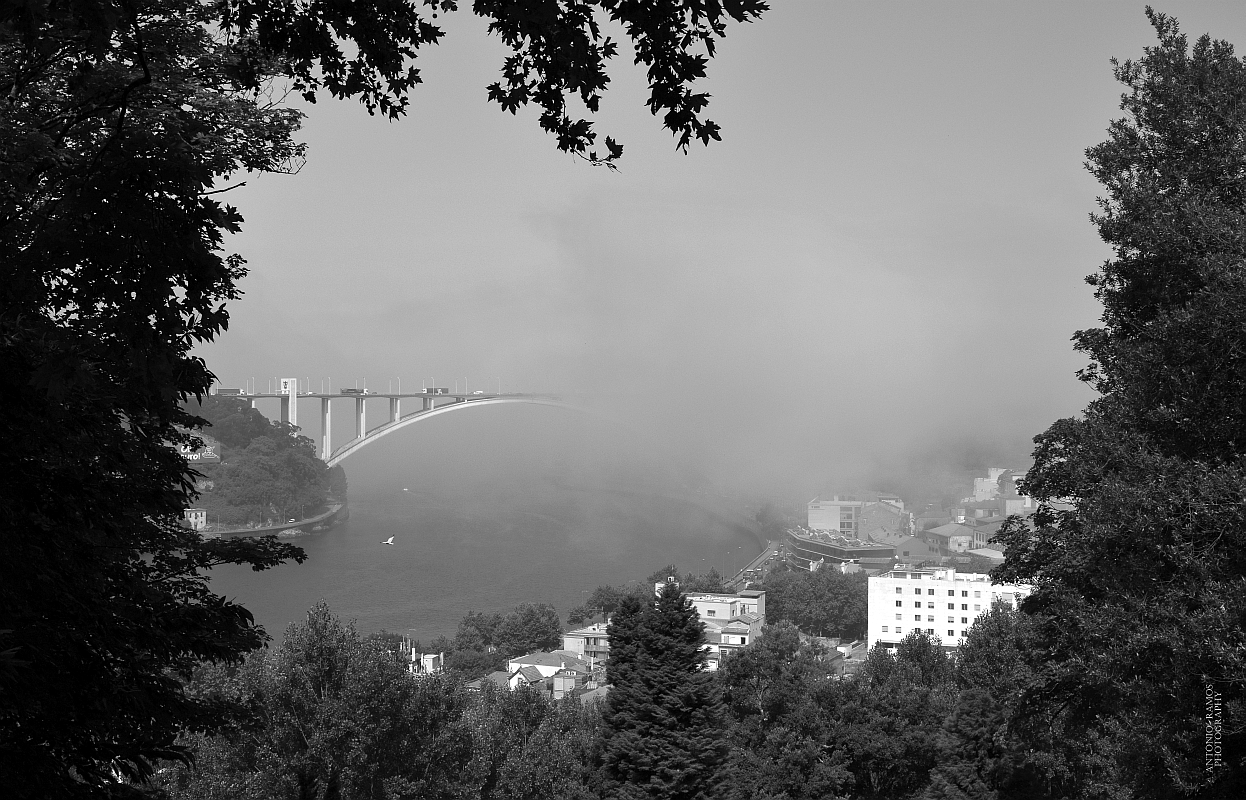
x,y
122,123
663,719
826,602
778,733
1138,550
266,467
336,715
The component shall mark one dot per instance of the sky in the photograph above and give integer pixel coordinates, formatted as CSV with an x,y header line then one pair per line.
x,y
872,278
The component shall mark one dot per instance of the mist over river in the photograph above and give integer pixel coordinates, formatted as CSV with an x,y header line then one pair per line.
x,y
486,513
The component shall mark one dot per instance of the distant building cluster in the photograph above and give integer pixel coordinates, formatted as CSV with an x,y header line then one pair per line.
x,y
926,573
577,669
875,531
559,674
904,553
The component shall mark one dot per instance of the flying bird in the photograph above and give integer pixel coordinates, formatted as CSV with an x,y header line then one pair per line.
x,y
390,540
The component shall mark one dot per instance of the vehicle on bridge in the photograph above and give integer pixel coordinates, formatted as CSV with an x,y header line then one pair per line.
x,y
225,390
353,391
437,390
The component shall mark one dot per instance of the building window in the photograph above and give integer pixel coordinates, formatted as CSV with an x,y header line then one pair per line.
x,y
951,634
964,620
884,629
899,603
917,618
977,594
951,592
964,606
930,618
951,606
899,590
897,617
964,594
951,620
710,613
977,607
930,631
918,590
930,605
930,591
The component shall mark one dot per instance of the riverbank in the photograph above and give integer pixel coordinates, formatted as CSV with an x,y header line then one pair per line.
x,y
336,514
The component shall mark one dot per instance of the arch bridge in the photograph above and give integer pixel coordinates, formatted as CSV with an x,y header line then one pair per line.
x,y
433,402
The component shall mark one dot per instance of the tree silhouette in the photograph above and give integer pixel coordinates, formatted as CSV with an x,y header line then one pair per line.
x,y
663,719
123,123
1138,547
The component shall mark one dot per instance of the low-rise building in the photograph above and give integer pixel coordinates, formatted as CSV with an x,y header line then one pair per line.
x,y
591,643
427,663
196,518
730,621
548,664
934,601
953,538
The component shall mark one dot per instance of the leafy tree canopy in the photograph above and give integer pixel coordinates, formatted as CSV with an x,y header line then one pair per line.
x,y
826,602
122,122
1138,550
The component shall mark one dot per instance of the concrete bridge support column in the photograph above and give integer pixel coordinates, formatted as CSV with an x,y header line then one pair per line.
x,y
428,404
361,417
326,429
395,408
290,401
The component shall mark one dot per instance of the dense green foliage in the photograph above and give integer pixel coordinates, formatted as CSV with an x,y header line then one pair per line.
x,y
485,641
1138,550
267,470
663,718
336,715
123,121
825,603
333,714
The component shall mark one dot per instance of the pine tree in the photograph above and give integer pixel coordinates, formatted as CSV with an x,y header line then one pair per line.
x,y
664,720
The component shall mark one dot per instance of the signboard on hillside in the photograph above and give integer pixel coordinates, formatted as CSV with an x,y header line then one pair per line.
x,y
209,453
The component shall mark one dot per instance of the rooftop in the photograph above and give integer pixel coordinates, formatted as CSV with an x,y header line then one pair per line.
x,y
935,574
559,658
596,629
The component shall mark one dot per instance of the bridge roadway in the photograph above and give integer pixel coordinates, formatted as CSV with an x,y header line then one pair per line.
x,y
431,404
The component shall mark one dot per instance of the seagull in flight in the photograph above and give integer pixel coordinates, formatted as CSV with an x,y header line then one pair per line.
x,y
390,540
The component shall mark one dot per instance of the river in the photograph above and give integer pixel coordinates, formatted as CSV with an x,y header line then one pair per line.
x,y
452,554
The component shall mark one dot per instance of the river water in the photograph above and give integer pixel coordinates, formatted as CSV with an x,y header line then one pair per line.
x,y
509,534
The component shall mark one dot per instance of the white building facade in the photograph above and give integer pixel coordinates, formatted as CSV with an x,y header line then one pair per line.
x,y
937,601
835,515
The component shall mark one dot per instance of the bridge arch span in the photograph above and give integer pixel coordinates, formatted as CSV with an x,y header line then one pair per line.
x,y
357,444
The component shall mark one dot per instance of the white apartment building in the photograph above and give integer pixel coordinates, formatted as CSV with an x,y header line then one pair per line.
x,y
937,601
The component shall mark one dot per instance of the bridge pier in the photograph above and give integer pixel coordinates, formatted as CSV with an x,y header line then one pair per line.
x,y
326,429
395,408
427,404
361,417
290,401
